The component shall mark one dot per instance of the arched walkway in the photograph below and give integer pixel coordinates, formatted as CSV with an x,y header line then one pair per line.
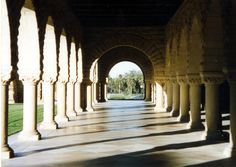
x,y
132,136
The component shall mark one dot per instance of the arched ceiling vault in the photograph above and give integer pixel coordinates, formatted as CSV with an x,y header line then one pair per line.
x,y
124,53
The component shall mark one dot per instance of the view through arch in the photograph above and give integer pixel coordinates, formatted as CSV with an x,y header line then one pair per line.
x,y
125,82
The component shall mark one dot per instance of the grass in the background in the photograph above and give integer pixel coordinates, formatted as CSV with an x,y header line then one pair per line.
x,y
15,120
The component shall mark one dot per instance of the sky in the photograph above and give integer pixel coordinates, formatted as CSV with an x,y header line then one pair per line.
x,y
122,68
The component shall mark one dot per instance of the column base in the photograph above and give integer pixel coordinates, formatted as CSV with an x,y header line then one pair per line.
x,y
184,118
29,136
60,119
48,125
90,109
230,151
196,126
79,111
168,109
174,113
71,114
159,109
214,136
102,101
7,152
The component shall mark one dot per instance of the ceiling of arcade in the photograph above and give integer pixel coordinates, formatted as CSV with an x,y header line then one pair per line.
x,y
116,55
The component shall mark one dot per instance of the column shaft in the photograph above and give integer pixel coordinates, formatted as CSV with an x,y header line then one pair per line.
x,y
212,112
30,131
169,97
61,103
89,106
147,91
195,102
78,108
184,103
7,152
49,107
176,96
70,98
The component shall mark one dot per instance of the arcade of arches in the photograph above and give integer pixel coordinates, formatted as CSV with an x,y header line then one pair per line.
x,y
184,61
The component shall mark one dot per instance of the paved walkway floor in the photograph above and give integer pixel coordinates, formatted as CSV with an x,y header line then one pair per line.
x,y
120,134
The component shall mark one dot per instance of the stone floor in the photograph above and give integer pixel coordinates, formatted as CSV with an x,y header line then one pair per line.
x,y
120,134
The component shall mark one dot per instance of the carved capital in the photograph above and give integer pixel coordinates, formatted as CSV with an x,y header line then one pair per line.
x,y
212,77
62,80
31,80
87,81
49,79
162,80
181,79
194,79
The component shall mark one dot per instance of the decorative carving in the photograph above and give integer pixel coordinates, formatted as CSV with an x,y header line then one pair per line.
x,y
212,77
181,79
27,79
194,79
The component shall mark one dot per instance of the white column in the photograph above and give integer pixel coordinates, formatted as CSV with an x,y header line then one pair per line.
x,y
30,131
95,93
147,90
70,100
195,103
184,101
169,96
49,77
231,149
78,107
28,48
5,68
61,102
159,97
62,80
6,150
176,96
49,106
88,91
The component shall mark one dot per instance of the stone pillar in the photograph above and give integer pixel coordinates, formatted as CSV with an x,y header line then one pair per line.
x,y
148,90
176,96
49,106
231,149
70,97
212,82
61,102
30,131
5,69
184,100
62,80
6,150
94,88
28,48
153,91
169,96
103,92
159,97
88,92
195,103
78,108
49,77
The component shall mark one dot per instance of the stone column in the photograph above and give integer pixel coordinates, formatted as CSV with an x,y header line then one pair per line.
x,y
176,96
169,96
5,69
159,97
6,150
78,108
153,91
184,100
88,92
103,89
195,103
212,82
49,106
62,80
231,149
30,131
70,97
29,71
49,77
61,102
148,90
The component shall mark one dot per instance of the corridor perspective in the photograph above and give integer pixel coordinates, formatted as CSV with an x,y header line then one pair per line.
x,y
121,134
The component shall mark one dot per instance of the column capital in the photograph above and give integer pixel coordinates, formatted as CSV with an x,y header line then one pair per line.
x,y
212,77
194,79
62,80
181,79
49,79
32,80
173,79
161,79
87,81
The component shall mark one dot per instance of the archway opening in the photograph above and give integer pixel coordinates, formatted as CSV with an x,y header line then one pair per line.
x,y
125,82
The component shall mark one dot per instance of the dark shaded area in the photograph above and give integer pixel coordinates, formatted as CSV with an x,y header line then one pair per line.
x,y
124,13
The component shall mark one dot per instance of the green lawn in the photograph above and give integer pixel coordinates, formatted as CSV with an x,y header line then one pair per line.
x,y
125,97
15,120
